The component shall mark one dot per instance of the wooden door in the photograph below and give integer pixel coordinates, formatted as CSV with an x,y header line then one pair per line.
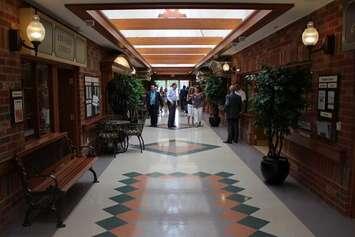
x,y
66,86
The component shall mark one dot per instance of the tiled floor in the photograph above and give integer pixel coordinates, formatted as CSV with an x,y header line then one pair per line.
x,y
181,204
187,183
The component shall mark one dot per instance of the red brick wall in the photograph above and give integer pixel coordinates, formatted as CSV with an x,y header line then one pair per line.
x,y
330,179
95,56
11,138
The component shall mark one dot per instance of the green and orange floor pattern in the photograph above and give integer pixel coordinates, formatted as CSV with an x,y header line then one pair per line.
x,y
180,204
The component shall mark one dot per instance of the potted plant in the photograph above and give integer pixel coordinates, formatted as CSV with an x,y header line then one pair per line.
x,y
278,105
125,94
215,91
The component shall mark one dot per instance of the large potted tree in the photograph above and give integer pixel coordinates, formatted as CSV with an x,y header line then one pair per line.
x,y
125,95
215,91
278,105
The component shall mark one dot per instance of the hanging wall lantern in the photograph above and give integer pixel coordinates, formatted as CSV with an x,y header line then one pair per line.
x,y
35,32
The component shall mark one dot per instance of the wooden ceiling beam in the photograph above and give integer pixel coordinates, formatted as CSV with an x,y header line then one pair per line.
x,y
172,70
173,59
145,51
175,40
253,23
178,5
177,24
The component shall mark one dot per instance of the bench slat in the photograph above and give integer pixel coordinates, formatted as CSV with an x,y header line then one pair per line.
x,y
67,175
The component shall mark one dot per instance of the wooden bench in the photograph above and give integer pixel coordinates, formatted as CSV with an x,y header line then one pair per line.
x,y
47,173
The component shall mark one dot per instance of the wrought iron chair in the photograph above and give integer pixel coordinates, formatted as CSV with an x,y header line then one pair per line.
x,y
109,134
135,128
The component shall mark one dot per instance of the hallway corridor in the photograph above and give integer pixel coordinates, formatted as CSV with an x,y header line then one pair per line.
x,y
186,183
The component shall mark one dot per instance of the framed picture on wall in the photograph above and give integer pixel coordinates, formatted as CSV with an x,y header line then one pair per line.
x,y
16,106
348,24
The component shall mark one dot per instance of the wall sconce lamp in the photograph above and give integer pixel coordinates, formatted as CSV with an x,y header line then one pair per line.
x,y
35,32
310,38
226,67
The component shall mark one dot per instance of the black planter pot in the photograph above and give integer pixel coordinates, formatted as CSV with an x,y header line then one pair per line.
x,y
214,121
275,171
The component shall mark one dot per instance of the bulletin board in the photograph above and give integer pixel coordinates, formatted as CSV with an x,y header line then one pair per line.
x,y
327,106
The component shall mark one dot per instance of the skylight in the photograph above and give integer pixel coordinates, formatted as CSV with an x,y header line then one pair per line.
x,y
172,65
175,37
175,33
173,46
190,13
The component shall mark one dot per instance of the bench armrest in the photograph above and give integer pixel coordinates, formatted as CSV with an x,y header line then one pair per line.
x,y
52,177
91,150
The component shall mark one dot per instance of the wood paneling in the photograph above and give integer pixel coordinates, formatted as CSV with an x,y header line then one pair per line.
x,y
243,30
174,40
105,27
274,10
185,23
144,51
173,59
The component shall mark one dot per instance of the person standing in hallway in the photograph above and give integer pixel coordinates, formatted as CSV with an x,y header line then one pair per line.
x,y
190,108
197,106
183,97
242,95
171,99
153,102
232,108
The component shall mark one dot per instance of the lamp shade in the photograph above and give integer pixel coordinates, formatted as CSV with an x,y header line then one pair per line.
x,y
35,30
226,67
310,35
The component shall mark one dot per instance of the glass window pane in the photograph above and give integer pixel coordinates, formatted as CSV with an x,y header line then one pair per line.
x,y
28,84
42,72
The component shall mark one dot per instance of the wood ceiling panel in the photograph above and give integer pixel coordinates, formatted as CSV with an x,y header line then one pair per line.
x,y
144,51
173,59
166,24
173,70
175,40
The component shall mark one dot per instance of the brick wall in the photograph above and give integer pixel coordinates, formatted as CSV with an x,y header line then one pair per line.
x,y
96,56
329,178
11,138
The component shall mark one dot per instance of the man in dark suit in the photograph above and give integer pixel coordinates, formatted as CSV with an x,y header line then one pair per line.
x,y
232,108
153,102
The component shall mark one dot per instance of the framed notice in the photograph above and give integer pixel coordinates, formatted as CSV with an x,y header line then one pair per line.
x,y
327,107
16,106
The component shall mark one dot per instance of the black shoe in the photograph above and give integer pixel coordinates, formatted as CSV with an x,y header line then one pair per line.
x,y
229,142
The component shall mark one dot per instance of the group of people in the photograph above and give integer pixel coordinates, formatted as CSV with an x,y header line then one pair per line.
x,y
191,102
162,99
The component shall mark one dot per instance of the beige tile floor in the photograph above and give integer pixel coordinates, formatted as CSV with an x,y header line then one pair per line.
x,y
83,219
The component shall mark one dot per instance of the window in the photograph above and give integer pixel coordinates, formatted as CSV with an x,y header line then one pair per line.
x,y
37,111
92,96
